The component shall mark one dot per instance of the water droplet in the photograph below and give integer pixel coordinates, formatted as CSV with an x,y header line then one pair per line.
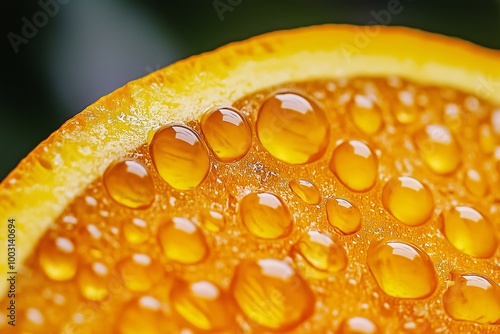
x,y
93,280
227,133
405,108
365,114
401,269
475,182
129,183
358,325
69,219
272,294
29,320
408,200
452,117
146,316
202,304
213,220
266,215
355,165
344,216
35,316
487,139
136,231
438,148
469,231
180,156
473,298
293,128
418,326
139,272
496,158
495,121
91,201
306,191
182,241
89,234
57,258
321,252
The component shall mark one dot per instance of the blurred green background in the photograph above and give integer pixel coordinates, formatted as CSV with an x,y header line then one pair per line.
x,y
76,51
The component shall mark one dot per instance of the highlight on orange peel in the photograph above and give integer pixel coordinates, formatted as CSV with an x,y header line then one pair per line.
x,y
275,185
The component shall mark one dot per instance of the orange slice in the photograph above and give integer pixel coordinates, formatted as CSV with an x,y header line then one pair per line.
x,y
293,182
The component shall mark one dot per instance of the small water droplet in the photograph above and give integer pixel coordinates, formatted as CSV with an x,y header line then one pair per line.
x,y
438,148
475,182
405,108
93,280
227,133
321,252
408,200
344,216
306,191
57,258
146,316
358,325
182,241
139,272
212,220
129,183
355,165
365,114
266,215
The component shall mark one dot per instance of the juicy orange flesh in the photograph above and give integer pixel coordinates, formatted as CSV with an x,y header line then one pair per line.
x,y
189,261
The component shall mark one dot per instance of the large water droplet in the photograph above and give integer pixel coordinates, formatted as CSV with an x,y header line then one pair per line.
x,y
203,305
293,128
180,156
469,231
473,298
401,269
272,294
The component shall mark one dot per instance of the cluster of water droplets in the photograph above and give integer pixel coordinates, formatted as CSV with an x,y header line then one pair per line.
x,y
321,186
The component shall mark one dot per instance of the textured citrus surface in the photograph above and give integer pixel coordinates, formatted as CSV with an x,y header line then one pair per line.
x,y
384,220
250,248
